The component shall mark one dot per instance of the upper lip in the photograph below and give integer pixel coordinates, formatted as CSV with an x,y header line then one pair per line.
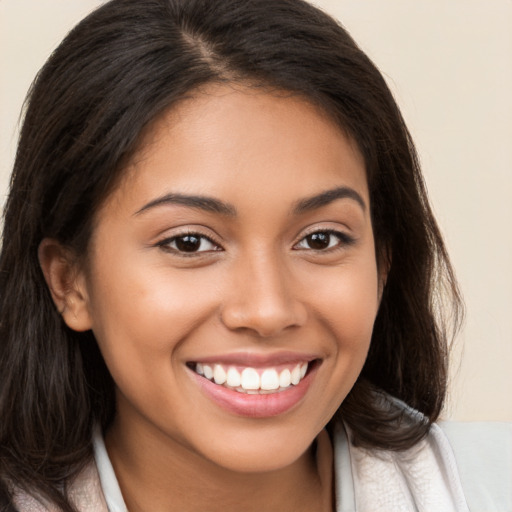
x,y
255,360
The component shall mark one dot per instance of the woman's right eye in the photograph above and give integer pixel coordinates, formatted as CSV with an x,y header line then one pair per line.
x,y
325,241
190,243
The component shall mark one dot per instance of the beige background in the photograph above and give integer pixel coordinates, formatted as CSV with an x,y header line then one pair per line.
x,y
449,64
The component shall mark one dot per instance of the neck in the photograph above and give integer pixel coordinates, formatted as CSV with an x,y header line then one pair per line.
x,y
161,475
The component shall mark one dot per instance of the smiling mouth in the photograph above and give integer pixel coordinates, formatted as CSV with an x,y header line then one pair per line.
x,y
253,381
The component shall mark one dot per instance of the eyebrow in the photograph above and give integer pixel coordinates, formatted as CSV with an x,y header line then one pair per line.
x,y
324,198
208,204
212,205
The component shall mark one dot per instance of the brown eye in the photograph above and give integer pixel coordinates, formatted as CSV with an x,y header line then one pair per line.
x,y
189,244
318,241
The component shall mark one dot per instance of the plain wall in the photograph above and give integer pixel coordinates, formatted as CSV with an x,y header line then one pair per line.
x,y
449,64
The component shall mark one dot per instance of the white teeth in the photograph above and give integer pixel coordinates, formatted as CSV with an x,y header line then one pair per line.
x,y
250,379
208,372
233,378
219,375
285,378
296,375
269,380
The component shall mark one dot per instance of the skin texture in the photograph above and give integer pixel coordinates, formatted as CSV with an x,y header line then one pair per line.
x,y
255,288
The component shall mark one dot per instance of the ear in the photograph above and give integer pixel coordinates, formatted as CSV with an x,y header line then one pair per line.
x,y
67,284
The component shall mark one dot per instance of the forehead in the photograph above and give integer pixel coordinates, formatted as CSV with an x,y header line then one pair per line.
x,y
228,141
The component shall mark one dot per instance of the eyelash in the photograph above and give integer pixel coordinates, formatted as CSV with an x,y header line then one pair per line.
x,y
344,240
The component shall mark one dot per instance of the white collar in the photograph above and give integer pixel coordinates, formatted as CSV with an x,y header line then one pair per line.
x,y
109,483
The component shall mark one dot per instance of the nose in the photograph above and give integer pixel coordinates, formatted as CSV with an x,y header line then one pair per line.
x,y
262,298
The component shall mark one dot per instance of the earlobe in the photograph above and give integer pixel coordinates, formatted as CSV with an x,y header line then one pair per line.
x,y
66,284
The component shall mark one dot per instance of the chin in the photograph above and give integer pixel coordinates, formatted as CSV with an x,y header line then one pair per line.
x,y
266,451
263,461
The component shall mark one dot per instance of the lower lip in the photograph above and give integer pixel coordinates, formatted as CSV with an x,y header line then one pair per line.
x,y
256,406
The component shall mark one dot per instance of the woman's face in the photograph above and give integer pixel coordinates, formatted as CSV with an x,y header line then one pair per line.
x,y
236,254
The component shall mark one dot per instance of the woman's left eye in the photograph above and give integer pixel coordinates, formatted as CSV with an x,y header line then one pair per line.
x,y
189,244
323,240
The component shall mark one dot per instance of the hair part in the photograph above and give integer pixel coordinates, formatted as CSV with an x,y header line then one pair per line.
x,y
117,72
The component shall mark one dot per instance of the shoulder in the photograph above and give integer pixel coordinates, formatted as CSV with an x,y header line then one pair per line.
x,y
457,467
483,454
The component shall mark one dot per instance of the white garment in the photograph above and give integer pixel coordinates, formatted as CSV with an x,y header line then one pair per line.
x,y
422,479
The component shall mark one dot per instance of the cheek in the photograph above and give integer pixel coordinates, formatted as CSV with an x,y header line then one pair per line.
x,y
141,314
347,299
135,287
347,305
142,323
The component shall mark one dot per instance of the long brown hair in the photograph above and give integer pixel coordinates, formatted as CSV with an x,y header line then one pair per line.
x,y
112,76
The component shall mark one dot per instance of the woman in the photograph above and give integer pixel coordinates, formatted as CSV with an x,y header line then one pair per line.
x,y
220,274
